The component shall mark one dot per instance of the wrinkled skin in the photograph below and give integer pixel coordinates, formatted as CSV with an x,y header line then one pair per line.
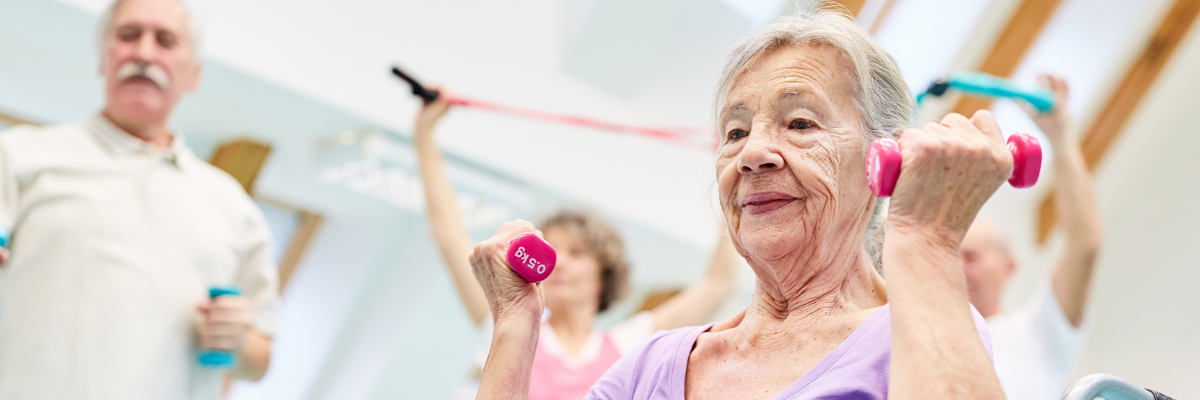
x,y
791,132
792,186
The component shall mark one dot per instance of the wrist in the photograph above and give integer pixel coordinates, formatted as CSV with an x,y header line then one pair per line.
x,y
512,330
926,237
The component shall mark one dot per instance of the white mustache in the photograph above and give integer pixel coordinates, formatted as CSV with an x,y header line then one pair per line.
x,y
144,70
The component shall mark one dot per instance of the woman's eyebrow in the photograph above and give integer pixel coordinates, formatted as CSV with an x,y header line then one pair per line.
x,y
801,99
732,110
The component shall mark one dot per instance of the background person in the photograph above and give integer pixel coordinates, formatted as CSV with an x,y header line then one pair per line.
x,y
118,232
1037,343
590,275
797,102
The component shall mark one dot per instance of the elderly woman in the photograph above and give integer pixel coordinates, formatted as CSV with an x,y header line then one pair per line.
x,y
797,104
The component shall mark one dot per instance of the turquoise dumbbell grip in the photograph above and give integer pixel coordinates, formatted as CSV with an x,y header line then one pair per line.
x,y
218,359
3,237
981,84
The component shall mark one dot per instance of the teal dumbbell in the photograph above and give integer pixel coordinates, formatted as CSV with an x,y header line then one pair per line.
x,y
212,358
4,238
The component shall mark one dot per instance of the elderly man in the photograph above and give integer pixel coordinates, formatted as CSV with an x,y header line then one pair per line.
x,y
118,231
1036,344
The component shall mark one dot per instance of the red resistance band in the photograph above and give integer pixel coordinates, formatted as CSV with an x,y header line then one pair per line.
x,y
692,137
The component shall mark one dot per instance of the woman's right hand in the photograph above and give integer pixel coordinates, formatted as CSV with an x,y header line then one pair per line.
x,y
949,170
432,112
508,295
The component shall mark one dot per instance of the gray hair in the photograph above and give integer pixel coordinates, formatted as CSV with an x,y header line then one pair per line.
x,y
882,97
195,26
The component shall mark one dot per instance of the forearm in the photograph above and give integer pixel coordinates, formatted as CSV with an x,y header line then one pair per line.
x,y
254,359
446,225
1074,199
698,302
1076,207
510,361
936,350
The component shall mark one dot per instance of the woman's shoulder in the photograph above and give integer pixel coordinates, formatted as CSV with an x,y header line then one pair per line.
x,y
649,366
670,342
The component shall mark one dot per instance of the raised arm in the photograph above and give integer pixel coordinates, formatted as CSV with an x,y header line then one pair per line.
x,y
698,302
949,170
1075,204
445,220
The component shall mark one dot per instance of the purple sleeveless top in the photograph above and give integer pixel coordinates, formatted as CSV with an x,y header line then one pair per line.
x,y
856,369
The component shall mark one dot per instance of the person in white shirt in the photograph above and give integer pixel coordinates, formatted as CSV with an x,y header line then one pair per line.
x,y
1036,344
118,232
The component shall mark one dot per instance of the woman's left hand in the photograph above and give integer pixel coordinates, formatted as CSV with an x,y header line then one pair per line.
x,y
949,170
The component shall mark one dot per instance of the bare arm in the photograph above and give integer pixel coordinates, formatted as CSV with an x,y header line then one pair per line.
x,y
445,220
1076,207
254,358
699,301
510,361
936,350
516,308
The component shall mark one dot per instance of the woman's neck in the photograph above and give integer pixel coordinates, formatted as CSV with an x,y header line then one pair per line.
x,y
572,325
797,291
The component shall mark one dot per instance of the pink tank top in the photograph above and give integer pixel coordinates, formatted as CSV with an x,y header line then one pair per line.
x,y
554,379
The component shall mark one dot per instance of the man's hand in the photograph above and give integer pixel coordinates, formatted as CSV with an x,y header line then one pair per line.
x,y
1055,124
3,256
222,323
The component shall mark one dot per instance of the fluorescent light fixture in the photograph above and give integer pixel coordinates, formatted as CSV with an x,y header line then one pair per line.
x,y
383,166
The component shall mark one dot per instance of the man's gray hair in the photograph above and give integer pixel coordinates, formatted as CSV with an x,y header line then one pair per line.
x,y
195,26
882,97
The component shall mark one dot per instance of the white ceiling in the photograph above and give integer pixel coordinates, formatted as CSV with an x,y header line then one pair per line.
x,y
635,62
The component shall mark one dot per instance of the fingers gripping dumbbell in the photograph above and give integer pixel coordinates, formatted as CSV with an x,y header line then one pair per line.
x,y
883,163
531,257
214,358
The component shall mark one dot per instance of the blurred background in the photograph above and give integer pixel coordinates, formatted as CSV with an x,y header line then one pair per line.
x,y
298,103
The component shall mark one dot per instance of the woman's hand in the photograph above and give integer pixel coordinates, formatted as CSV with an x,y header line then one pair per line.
x,y
949,170
431,113
508,296
516,311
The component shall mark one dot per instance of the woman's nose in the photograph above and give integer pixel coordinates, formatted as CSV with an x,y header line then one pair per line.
x,y
759,156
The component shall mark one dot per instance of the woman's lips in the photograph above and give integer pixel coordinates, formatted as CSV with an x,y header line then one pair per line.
x,y
761,203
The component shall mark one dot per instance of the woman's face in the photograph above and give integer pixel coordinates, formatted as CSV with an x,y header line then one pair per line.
x,y
790,168
576,277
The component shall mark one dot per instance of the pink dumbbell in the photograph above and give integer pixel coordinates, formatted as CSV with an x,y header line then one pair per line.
x,y
883,163
531,257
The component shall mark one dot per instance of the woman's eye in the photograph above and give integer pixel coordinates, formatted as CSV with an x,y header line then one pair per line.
x,y
738,134
801,124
